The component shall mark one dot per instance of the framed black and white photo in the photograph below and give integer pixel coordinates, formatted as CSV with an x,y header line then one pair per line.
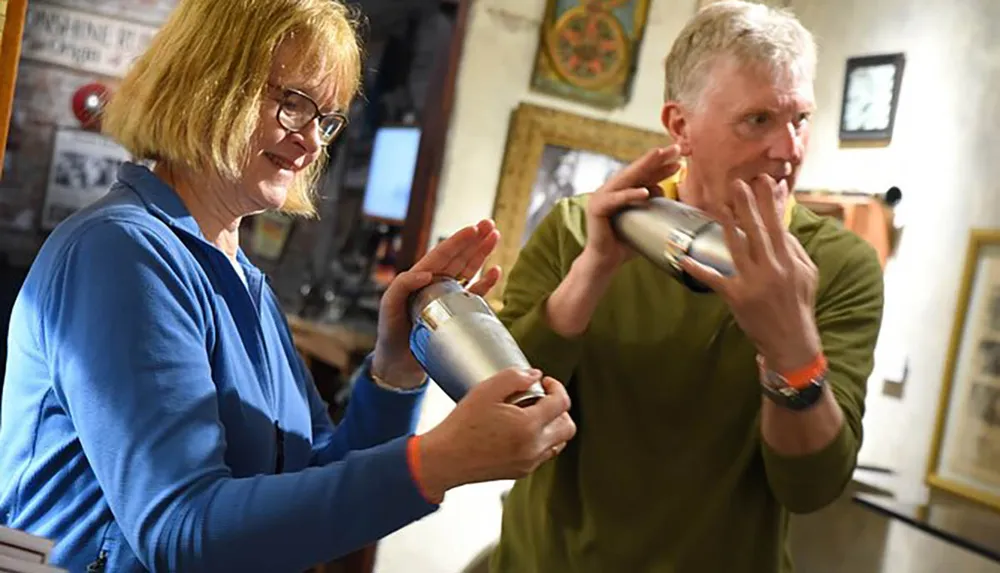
x,y
84,165
965,454
552,154
564,172
871,95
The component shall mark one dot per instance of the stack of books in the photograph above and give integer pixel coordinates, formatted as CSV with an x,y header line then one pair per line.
x,y
22,552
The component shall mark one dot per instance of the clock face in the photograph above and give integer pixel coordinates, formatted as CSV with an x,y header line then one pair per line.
x,y
869,98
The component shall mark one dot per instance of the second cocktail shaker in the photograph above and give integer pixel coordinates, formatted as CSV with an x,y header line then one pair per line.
x,y
460,342
663,231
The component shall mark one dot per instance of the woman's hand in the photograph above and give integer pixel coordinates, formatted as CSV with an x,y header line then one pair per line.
x,y
484,438
459,256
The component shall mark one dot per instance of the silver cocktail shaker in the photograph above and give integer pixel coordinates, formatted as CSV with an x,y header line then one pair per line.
x,y
460,342
664,230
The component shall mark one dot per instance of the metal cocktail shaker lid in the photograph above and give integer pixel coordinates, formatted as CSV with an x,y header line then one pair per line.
x,y
437,302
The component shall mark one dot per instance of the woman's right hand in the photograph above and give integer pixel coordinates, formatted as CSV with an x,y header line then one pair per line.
x,y
630,186
484,438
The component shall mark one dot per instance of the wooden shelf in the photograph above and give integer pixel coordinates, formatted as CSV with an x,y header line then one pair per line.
x,y
866,215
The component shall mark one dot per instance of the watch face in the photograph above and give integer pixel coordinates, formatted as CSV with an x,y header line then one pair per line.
x,y
869,98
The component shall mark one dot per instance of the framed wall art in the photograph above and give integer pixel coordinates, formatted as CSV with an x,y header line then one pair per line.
x,y
965,451
871,95
587,50
552,154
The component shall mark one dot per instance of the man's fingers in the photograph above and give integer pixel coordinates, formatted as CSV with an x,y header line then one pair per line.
x,y
606,204
747,217
798,251
655,166
765,191
736,242
706,275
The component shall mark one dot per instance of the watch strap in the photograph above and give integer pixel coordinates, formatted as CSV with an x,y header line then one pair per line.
x,y
799,389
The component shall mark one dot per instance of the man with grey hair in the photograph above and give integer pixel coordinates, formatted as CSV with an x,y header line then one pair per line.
x,y
703,419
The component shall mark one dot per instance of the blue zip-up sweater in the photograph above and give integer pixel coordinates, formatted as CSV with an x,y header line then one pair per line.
x,y
156,415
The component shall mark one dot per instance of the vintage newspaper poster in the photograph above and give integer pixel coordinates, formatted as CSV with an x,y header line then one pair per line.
x,y
84,165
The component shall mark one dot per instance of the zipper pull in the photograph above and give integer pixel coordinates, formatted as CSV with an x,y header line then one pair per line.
x,y
279,439
98,565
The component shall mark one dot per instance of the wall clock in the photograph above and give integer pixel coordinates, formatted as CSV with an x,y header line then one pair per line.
x,y
871,95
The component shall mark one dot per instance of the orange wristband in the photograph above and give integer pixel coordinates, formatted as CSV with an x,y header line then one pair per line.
x,y
413,460
804,376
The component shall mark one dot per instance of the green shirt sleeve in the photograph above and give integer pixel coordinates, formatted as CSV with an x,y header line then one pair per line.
x,y
848,316
541,265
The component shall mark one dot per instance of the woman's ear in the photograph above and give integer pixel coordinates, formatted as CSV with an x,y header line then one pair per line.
x,y
675,122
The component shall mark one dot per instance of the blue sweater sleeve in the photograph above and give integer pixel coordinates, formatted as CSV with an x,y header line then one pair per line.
x,y
374,416
125,333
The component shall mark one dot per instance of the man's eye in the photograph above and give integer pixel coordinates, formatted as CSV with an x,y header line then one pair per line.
x,y
802,119
758,119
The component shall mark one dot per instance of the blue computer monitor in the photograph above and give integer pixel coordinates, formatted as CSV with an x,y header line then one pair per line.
x,y
390,175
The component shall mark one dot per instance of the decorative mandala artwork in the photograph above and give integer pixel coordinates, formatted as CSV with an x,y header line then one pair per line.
x,y
587,50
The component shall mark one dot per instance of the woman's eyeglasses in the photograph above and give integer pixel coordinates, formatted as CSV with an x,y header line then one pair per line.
x,y
297,110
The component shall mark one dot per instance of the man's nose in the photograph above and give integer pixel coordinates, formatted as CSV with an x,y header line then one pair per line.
x,y
787,145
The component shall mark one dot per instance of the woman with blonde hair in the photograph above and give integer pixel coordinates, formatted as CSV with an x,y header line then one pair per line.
x,y
156,415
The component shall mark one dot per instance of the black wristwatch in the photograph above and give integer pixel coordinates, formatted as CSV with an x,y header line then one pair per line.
x,y
800,393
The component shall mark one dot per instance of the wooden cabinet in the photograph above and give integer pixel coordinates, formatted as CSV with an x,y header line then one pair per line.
x,y
868,216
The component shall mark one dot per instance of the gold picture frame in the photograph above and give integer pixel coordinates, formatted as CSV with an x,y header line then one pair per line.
x,y
539,142
965,450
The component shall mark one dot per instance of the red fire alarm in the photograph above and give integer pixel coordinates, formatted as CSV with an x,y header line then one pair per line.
x,y
88,102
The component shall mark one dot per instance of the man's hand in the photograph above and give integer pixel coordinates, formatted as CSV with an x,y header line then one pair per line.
x,y
572,304
629,186
772,296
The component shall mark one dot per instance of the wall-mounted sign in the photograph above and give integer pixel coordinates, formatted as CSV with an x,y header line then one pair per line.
x,y
82,41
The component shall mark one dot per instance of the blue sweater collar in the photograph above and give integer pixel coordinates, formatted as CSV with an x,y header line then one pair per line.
x,y
164,203
160,199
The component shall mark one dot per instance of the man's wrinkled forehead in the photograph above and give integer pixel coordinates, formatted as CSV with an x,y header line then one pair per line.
x,y
737,79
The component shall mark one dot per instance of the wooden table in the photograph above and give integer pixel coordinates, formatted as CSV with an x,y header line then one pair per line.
x,y
333,353
336,345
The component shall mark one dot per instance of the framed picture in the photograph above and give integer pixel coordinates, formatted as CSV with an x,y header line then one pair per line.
x,y
871,95
587,50
965,454
84,165
553,154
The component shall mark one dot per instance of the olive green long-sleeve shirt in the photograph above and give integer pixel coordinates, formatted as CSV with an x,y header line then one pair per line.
x,y
668,472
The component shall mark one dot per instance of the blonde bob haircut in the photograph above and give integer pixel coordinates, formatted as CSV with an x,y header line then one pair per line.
x,y
194,97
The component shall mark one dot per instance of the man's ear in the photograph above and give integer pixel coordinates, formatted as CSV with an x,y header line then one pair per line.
x,y
675,121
